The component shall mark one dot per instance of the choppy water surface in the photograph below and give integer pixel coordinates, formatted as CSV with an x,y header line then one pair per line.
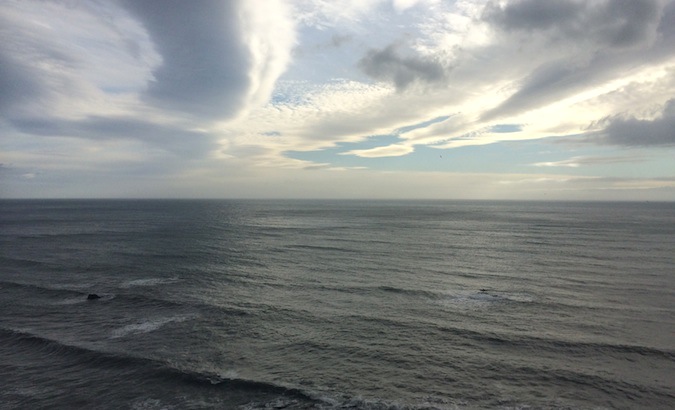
x,y
337,304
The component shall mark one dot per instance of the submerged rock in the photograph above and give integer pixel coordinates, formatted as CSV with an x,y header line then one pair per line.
x,y
93,296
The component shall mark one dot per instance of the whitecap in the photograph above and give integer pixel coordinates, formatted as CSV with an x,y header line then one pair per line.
x,y
148,325
149,282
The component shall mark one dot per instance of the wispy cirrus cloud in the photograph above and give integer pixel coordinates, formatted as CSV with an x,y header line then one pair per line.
x,y
581,161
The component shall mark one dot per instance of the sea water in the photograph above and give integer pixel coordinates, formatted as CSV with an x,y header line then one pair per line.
x,y
336,304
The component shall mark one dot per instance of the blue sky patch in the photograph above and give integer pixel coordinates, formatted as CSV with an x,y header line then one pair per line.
x,y
506,128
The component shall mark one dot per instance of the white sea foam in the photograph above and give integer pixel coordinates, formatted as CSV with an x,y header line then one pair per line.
x,y
148,325
150,282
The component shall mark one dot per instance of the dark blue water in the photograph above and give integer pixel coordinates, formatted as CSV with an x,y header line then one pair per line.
x,y
337,304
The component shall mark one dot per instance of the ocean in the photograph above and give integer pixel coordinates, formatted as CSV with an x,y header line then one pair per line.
x,y
252,304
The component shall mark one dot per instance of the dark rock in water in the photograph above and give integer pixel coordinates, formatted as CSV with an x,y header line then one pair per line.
x,y
483,290
93,296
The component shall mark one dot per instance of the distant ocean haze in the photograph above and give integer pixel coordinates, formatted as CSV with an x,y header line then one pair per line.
x,y
336,304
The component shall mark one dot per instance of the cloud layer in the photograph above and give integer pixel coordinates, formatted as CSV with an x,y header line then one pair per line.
x,y
205,62
248,90
630,131
388,65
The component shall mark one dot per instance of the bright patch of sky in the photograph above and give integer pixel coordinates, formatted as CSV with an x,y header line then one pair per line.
x,y
508,99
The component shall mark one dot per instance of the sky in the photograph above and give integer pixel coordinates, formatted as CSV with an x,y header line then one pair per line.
x,y
373,99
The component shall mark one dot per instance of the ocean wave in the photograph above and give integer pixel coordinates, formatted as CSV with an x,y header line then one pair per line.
x,y
261,394
362,403
571,347
403,291
150,282
70,301
55,289
55,294
579,380
25,340
23,263
147,403
70,294
463,297
592,348
483,298
41,235
148,325
323,248
519,341
142,301
19,339
275,395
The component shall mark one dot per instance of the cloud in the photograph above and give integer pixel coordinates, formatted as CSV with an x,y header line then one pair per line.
x,y
217,57
576,162
204,67
387,65
33,67
566,47
182,91
70,59
532,14
211,61
630,131
156,74
165,136
552,85
17,85
547,82
393,150
338,40
610,23
329,13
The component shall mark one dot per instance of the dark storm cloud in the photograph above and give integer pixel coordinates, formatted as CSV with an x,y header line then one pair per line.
x,y
387,65
184,142
612,23
205,62
635,132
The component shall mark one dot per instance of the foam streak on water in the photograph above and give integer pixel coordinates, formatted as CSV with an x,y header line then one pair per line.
x,y
337,304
